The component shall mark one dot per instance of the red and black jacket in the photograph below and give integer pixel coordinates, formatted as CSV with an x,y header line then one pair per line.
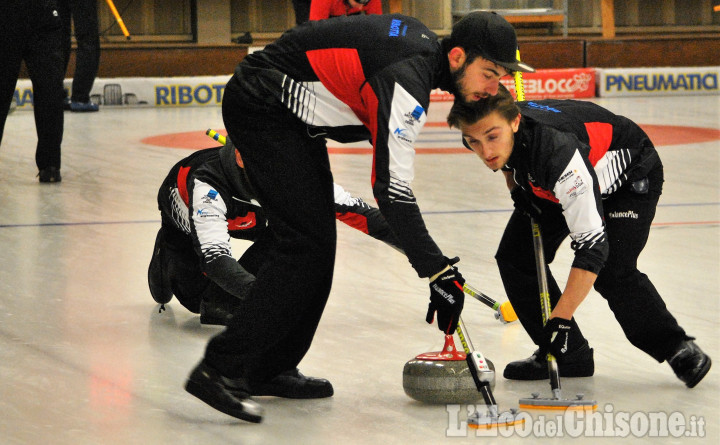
x,y
357,79
207,197
575,153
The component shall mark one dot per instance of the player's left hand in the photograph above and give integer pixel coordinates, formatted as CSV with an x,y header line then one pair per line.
x,y
556,334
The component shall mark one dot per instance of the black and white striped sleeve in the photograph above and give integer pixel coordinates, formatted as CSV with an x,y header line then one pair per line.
x,y
579,195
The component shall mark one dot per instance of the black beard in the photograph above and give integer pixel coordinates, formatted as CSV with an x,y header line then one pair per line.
x,y
457,76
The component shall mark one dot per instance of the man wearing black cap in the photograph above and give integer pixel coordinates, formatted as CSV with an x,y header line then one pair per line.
x,y
348,79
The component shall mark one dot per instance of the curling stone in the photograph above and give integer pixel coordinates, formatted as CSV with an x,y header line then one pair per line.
x,y
443,377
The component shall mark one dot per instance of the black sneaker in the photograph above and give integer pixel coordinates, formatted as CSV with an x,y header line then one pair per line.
x,y
83,107
158,279
293,385
230,396
690,363
49,174
578,363
218,310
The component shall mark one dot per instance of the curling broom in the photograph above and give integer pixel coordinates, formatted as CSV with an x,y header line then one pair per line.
x,y
556,401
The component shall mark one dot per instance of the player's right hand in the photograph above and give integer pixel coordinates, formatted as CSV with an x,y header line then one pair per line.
x,y
447,299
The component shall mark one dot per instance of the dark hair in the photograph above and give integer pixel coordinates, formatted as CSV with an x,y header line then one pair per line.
x,y
467,113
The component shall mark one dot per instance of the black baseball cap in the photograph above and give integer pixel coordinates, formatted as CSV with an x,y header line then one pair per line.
x,y
492,36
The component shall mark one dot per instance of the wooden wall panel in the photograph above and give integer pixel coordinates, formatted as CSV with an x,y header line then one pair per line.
x,y
242,15
627,13
552,53
172,18
147,19
653,52
148,60
432,14
166,61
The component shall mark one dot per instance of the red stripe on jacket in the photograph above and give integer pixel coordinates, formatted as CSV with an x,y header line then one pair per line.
x,y
340,71
353,220
182,184
600,136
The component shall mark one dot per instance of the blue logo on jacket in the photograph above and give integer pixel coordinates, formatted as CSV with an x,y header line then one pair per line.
x,y
395,29
417,112
542,107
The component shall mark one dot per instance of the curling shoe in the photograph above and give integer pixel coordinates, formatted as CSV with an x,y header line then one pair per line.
x,y
218,310
294,385
158,279
230,396
690,363
578,363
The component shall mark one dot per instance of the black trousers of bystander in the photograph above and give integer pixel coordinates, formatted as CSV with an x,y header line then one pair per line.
x,y
30,31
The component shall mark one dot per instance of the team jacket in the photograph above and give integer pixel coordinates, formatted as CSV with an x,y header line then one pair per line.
x,y
575,153
324,9
354,79
207,197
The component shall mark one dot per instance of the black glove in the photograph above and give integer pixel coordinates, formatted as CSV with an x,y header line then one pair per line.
x,y
523,202
556,334
453,261
447,298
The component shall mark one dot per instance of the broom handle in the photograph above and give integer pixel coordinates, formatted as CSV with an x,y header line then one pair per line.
x,y
215,135
519,88
482,387
553,370
119,19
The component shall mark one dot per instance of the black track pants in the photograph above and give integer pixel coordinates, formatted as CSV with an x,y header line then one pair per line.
x,y
290,171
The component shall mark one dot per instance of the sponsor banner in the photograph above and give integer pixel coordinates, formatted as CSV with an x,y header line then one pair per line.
x,y
658,81
143,91
573,83
208,90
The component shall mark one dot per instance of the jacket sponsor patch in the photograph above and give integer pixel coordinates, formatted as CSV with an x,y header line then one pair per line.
x,y
565,176
402,134
397,28
205,213
578,188
629,214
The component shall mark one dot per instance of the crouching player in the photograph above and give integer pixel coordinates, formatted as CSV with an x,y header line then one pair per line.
x,y
204,201
578,170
